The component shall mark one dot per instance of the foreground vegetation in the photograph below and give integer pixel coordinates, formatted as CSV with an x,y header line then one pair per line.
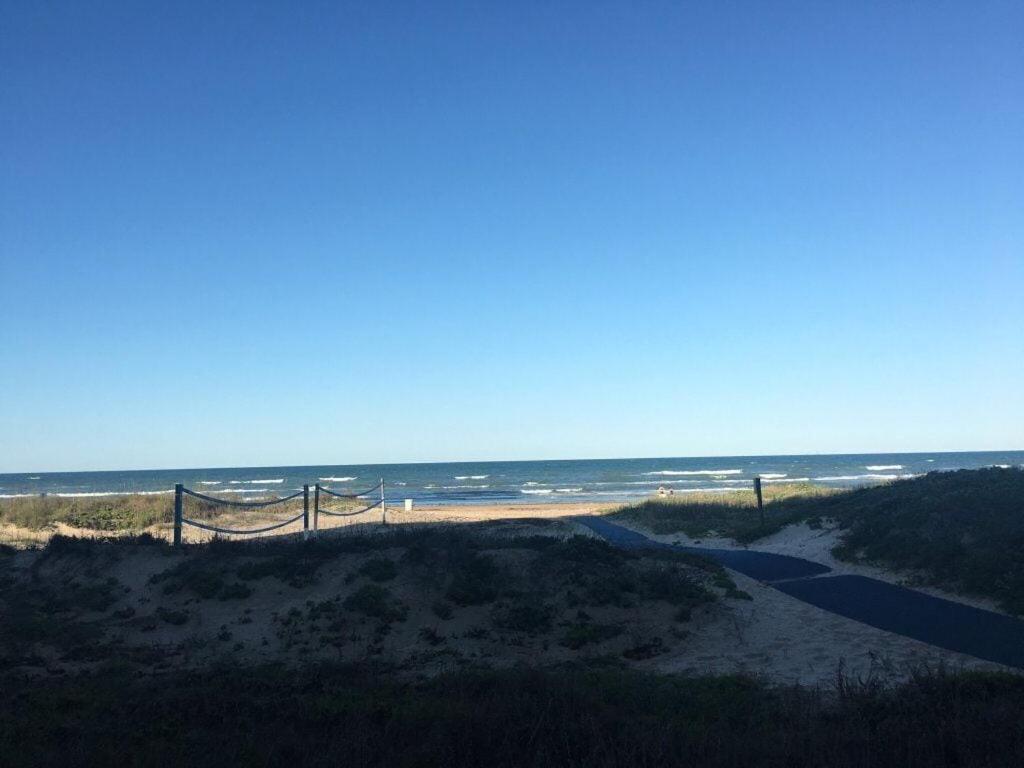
x,y
99,513
358,715
732,515
410,595
960,530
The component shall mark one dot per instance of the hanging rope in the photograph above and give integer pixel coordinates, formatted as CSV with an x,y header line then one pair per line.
x,y
350,514
329,492
246,504
215,529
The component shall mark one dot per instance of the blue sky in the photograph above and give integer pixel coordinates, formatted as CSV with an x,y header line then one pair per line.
x,y
262,234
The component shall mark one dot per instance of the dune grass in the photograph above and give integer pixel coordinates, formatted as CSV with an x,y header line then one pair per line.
x,y
360,716
100,513
733,514
961,530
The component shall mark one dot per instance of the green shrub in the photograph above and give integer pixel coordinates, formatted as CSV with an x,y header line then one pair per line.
x,y
170,616
377,602
523,614
477,580
584,633
379,569
442,609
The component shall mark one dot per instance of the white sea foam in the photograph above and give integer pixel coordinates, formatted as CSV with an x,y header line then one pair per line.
x,y
16,495
787,479
619,493
697,472
930,460
209,482
834,478
568,490
1001,466
531,483
471,477
772,475
537,491
883,467
34,478
456,487
243,490
264,482
235,482
658,482
340,479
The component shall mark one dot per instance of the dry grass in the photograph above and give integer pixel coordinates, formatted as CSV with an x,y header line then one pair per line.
x,y
731,514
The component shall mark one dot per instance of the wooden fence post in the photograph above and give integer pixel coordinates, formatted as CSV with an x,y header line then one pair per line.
x,y
177,514
760,502
316,509
305,511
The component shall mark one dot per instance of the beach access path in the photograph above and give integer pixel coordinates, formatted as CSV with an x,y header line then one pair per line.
x,y
943,623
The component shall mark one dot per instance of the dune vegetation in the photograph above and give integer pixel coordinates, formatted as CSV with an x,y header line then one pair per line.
x,y
359,715
410,595
960,530
132,512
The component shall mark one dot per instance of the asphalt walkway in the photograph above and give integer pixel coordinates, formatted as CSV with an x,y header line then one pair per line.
x,y
942,623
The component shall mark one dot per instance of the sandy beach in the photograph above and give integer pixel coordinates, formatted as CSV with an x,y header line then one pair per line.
x,y
772,634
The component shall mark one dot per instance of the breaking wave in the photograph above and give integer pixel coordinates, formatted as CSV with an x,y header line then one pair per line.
x,y
697,472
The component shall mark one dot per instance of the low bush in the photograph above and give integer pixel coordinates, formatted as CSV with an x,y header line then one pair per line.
x,y
350,715
376,602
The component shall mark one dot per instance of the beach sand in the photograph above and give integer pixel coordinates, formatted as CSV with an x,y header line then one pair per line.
x,y
772,634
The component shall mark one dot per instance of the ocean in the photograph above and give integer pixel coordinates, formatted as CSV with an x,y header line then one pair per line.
x,y
515,481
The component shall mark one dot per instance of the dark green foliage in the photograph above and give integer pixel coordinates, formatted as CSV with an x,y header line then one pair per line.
x,y
442,609
169,616
477,579
198,575
349,716
376,602
379,569
963,530
675,586
584,633
738,594
431,636
297,571
235,591
646,649
528,613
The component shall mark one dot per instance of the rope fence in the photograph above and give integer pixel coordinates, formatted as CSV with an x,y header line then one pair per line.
x,y
180,521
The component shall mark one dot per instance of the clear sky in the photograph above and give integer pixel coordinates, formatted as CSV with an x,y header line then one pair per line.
x,y
285,233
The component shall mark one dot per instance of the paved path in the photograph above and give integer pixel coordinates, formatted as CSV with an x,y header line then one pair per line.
x,y
943,623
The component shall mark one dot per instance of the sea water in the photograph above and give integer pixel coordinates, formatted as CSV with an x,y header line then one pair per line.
x,y
503,482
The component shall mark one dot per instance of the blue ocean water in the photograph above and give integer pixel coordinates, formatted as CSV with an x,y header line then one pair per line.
x,y
516,481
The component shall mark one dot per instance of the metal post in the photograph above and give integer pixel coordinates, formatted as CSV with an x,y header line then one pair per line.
x,y
177,514
316,509
305,511
383,506
760,502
